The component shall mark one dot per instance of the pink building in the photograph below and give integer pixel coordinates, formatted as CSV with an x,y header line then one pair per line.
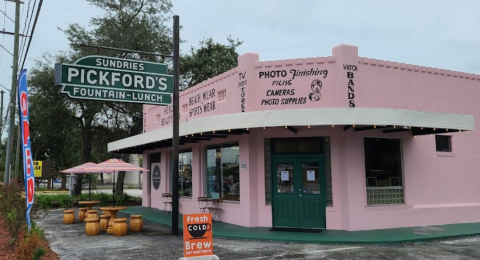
x,y
339,142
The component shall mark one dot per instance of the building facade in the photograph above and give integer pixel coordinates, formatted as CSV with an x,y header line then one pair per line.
x,y
339,142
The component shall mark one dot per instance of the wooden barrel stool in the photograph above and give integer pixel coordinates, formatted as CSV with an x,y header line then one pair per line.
x,y
136,223
92,227
92,214
120,227
81,213
69,216
104,219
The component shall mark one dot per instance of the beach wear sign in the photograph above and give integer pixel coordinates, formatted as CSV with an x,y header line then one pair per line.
x,y
197,235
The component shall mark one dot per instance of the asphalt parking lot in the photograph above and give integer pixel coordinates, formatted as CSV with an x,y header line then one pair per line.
x,y
156,242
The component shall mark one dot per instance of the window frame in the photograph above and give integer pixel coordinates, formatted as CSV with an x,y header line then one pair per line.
x,y
221,146
439,142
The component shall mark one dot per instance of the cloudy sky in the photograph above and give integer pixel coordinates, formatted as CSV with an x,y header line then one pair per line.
x,y
436,33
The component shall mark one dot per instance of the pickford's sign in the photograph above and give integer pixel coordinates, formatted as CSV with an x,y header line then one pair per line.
x,y
112,79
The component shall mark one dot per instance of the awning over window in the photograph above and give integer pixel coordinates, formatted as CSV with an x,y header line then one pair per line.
x,y
220,126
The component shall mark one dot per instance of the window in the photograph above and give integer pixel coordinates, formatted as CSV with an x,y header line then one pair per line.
x,y
223,171
185,173
383,171
298,146
443,143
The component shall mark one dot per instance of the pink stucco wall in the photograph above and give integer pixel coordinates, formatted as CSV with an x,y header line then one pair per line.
x,y
440,188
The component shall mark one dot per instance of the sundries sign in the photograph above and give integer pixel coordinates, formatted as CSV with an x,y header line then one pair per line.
x,y
112,79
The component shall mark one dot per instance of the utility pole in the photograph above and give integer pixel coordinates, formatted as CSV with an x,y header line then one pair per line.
x,y
1,109
13,96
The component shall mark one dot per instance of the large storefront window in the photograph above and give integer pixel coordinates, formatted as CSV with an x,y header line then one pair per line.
x,y
185,173
383,169
223,171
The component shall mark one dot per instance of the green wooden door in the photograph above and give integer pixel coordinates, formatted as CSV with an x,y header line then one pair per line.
x,y
298,200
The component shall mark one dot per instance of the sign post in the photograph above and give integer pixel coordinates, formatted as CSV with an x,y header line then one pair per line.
x,y
198,237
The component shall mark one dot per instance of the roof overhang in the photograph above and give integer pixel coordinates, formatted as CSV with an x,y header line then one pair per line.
x,y
418,122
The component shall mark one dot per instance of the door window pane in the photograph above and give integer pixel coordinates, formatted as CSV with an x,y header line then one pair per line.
x,y
285,178
311,178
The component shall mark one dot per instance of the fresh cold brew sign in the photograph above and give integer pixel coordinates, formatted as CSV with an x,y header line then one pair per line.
x,y
112,79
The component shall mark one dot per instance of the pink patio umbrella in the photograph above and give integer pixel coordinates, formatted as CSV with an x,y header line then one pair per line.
x,y
113,165
81,169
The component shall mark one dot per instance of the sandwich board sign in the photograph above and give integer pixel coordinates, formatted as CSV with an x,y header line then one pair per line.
x,y
198,236
113,79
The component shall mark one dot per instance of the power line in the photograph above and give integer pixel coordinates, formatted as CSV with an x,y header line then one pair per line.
x,y
5,14
1,45
25,27
33,30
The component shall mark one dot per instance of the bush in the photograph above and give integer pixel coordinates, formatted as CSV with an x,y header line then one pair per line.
x,y
28,246
13,208
66,202
122,200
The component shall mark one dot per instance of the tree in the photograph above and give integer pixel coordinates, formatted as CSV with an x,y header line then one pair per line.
x,y
126,24
209,60
58,141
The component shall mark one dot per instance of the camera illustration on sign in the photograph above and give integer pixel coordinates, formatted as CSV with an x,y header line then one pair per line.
x,y
113,79
316,86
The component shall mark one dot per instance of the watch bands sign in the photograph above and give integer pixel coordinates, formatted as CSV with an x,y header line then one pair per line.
x,y
26,145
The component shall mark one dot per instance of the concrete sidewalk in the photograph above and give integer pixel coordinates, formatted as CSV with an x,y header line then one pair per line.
x,y
382,236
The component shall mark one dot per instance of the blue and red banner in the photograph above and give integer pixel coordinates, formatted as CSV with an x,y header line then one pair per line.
x,y
26,145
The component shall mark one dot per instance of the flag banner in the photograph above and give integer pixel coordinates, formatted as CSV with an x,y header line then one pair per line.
x,y
26,145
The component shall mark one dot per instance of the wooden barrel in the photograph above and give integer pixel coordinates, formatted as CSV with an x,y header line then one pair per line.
x,y
92,214
92,227
136,223
69,216
120,227
104,219
81,213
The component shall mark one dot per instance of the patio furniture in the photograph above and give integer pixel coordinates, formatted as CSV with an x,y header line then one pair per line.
x,y
69,216
136,223
113,212
92,227
167,202
203,203
215,209
104,219
81,213
119,227
89,204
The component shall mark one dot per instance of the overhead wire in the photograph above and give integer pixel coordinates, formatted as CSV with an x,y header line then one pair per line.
x,y
26,28
33,31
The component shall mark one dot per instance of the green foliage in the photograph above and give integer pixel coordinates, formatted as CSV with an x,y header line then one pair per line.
x,y
66,202
123,199
28,245
39,252
44,201
13,208
209,60
103,198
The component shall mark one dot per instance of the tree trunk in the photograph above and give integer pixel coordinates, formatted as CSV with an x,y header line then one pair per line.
x,y
86,153
64,181
101,178
121,177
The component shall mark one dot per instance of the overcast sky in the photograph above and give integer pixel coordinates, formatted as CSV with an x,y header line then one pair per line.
x,y
434,33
